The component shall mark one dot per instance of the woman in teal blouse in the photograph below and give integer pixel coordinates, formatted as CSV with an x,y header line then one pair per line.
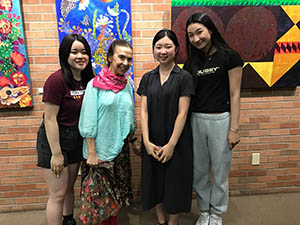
x,y
107,121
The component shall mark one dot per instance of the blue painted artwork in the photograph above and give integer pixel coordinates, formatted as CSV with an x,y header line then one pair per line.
x,y
99,21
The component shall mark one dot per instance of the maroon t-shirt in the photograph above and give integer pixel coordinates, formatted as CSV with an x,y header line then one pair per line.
x,y
69,101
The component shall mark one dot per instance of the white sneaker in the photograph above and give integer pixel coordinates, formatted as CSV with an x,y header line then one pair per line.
x,y
203,219
215,220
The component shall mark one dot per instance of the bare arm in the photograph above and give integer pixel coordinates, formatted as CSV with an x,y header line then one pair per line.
x,y
150,147
235,77
93,159
52,132
167,150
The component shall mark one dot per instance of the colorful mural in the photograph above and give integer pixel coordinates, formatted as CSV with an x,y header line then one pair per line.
x,y
265,33
99,21
15,86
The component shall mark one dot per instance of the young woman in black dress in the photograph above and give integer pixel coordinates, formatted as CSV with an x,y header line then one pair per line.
x,y
167,155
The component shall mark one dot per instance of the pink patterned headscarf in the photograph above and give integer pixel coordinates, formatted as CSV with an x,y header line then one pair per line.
x,y
108,81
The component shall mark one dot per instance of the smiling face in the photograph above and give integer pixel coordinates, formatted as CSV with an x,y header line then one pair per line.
x,y
78,57
199,36
164,50
121,60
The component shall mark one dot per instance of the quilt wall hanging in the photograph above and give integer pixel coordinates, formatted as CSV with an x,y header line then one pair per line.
x,y
265,33
15,84
99,21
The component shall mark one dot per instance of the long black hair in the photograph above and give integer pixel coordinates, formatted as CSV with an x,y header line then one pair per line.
x,y
216,38
64,51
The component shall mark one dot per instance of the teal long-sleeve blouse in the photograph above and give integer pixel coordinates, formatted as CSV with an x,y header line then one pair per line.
x,y
108,118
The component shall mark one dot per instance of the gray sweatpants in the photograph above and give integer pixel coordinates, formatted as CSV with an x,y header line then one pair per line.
x,y
211,154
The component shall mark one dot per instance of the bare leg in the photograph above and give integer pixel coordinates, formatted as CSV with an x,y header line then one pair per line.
x,y
173,220
57,188
68,206
160,213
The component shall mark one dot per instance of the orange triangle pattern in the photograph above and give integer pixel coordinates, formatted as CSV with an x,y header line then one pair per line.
x,y
282,64
293,12
292,35
264,69
287,49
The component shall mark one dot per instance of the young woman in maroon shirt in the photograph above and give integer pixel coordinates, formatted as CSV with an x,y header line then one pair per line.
x,y
59,144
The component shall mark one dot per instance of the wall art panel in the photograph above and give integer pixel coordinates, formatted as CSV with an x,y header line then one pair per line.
x,y
265,33
15,84
99,21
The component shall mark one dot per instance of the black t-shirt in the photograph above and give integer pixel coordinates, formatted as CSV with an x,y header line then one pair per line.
x,y
212,81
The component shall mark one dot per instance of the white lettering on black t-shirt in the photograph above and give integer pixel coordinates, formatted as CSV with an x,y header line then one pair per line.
x,y
207,71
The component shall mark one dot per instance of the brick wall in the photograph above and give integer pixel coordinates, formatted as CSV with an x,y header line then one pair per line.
x,y
269,119
270,125
22,185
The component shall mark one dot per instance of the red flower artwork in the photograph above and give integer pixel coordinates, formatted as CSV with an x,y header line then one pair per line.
x,y
5,26
4,82
18,58
6,5
19,79
14,77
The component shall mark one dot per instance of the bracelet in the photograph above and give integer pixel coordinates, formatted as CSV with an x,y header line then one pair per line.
x,y
133,139
235,130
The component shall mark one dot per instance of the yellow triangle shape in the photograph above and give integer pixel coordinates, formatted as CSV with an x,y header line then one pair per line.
x,y
291,36
293,12
282,64
264,69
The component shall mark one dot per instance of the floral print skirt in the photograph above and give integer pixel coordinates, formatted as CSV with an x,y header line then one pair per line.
x,y
122,174
106,188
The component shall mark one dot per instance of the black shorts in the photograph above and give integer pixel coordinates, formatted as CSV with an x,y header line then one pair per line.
x,y
70,144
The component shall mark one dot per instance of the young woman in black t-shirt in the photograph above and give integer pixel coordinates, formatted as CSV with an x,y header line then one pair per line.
x,y
217,72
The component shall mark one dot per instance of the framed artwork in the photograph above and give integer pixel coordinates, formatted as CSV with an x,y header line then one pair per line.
x,y
15,85
265,33
99,21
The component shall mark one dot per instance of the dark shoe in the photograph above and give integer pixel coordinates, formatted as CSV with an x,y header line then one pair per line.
x,y
69,222
166,223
